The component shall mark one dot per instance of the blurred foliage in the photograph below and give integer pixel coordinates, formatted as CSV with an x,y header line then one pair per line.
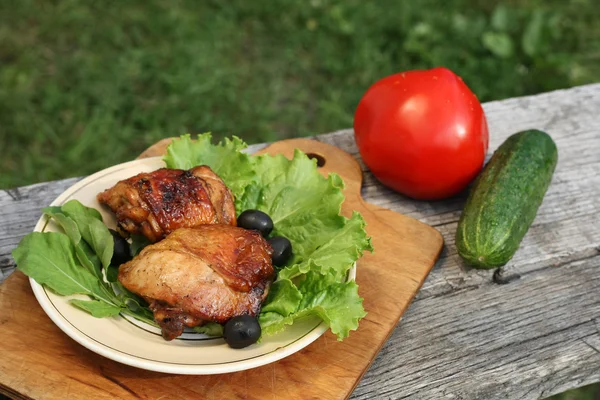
x,y
590,392
85,85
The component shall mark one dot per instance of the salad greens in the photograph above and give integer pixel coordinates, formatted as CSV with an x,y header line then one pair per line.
x,y
305,208
71,263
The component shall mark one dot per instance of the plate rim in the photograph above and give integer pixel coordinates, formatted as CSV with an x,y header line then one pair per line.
x,y
157,366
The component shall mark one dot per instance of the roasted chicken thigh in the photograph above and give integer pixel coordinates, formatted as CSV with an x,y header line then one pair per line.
x,y
194,275
157,203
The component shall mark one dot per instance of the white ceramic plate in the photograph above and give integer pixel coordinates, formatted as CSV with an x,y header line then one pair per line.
x,y
142,346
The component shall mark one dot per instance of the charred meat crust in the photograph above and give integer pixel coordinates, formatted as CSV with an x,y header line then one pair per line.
x,y
157,203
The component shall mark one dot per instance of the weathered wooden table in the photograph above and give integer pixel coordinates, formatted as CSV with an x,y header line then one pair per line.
x,y
465,337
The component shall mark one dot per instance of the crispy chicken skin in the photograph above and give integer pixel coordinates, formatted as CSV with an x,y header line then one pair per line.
x,y
195,275
157,203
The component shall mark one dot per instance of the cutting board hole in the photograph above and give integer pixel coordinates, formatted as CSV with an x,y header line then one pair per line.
x,y
320,159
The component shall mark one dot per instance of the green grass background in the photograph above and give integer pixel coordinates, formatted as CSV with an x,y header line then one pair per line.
x,y
88,84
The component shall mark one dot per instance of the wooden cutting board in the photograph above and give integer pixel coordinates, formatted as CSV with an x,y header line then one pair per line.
x,y
40,361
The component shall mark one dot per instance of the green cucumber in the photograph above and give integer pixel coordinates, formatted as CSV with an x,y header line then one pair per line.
x,y
505,198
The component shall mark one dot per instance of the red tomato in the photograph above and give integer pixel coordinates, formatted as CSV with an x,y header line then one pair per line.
x,y
422,133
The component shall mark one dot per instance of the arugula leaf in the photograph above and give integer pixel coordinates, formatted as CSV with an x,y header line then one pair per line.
x,y
51,210
49,259
112,273
97,249
127,302
92,229
136,306
68,225
84,253
98,309
138,242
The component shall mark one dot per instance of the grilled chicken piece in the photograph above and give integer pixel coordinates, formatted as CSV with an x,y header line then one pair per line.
x,y
155,204
195,275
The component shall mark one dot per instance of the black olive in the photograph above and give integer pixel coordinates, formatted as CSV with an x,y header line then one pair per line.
x,y
256,220
282,250
241,331
121,252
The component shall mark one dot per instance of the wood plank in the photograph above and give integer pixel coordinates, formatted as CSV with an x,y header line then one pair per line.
x,y
564,239
519,341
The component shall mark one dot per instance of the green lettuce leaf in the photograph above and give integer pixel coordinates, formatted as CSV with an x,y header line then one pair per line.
x,y
224,158
283,301
336,303
305,208
284,298
330,250
210,329
272,322
98,309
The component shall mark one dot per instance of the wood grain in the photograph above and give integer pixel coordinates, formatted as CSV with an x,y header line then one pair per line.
x,y
406,250
532,338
